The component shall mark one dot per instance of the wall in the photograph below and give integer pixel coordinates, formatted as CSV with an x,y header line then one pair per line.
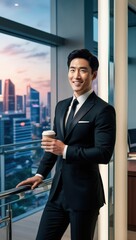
x,y
73,19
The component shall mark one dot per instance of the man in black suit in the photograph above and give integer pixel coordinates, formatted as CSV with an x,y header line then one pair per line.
x,y
77,191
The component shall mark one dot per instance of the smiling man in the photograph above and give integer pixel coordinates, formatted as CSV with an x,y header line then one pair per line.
x,y
80,76
85,136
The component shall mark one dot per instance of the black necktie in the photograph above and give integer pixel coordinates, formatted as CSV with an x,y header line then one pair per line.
x,y
71,115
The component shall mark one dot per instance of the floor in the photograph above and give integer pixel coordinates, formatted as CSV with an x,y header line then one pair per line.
x,y
27,229
131,235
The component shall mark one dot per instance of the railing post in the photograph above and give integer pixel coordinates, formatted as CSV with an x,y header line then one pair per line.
x,y
9,222
2,181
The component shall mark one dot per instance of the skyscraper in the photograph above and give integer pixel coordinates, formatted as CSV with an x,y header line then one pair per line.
x,y
6,126
19,103
49,104
0,87
9,96
32,105
1,97
22,132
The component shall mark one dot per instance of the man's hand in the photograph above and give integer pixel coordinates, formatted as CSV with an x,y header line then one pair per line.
x,y
53,145
33,181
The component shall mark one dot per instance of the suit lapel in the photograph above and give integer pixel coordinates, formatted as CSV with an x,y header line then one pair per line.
x,y
64,110
88,104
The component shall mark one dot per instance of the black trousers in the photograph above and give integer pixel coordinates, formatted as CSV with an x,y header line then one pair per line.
x,y
56,217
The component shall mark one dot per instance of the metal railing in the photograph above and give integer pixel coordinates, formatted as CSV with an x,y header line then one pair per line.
x,y
11,149
20,191
5,149
24,192
8,150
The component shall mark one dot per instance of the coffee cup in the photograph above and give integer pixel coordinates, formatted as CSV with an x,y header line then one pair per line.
x,y
48,133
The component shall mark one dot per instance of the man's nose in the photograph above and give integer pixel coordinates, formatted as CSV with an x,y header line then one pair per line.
x,y
77,74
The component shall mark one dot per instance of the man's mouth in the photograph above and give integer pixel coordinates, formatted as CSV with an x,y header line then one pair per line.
x,y
77,83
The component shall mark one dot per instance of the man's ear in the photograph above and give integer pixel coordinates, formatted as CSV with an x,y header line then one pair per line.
x,y
94,75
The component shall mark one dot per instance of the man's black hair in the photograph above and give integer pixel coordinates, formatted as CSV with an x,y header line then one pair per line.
x,y
86,54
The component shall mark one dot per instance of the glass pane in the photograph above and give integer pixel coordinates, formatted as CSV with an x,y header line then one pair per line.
x,y
25,104
95,29
24,78
29,12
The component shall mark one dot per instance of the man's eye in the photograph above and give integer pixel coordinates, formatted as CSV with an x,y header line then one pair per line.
x,y
83,70
72,70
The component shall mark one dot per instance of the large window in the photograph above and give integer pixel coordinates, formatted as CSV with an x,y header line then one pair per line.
x,y
34,13
25,107
25,102
25,90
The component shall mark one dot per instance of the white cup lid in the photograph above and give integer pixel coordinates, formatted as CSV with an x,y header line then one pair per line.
x,y
48,133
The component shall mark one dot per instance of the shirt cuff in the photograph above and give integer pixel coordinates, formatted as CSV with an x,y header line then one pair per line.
x,y
65,151
39,175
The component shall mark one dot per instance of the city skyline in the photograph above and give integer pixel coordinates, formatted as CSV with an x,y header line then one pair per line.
x,y
25,63
30,110
43,99
10,101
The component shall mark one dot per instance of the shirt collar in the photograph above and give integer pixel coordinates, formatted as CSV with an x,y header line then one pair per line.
x,y
82,98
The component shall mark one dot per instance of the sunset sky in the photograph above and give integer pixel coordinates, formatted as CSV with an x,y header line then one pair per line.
x,y
22,61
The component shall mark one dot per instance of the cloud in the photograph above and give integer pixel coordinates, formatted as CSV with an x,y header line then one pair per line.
x,y
40,55
27,80
13,49
42,82
39,82
20,71
16,49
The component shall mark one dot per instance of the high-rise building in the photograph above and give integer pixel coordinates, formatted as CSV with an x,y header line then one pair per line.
x,y
5,131
9,96
1,131
22,132
1,104
6,127
1,97
24,103
32,105
49,104
19,103
0,87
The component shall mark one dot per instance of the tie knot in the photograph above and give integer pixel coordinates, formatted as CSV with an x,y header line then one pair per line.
x,y
75,102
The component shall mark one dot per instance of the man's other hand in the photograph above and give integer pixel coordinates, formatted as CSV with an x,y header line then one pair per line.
x,y
33,181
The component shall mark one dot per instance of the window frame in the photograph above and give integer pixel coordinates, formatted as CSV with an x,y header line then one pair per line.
x,y
32,34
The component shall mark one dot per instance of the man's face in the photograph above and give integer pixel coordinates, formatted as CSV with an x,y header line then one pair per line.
x,y
80,76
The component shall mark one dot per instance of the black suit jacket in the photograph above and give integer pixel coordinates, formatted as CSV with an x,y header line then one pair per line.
x,y
90,141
